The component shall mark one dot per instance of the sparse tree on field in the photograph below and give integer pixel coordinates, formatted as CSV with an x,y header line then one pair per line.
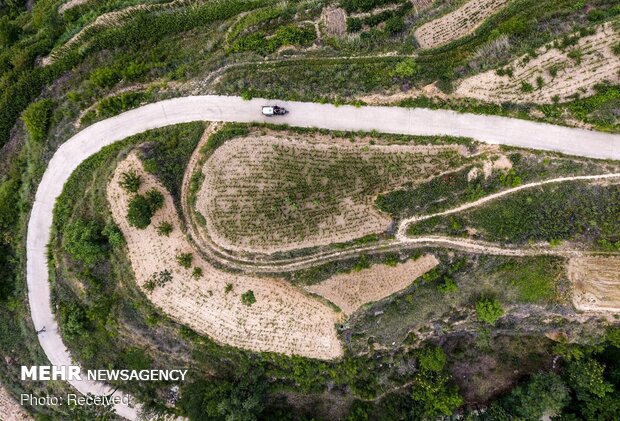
x,y
130,181
164,228
185,260
248,298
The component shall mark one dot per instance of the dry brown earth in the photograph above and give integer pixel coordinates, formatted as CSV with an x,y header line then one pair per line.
x,y
598,64
335,21
10,409
596,283
264,193
350,291
273,323
463,21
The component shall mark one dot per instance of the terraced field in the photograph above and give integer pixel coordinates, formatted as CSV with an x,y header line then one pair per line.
x,y
555,74
452,26
10,410
352,290
267,193
596,283
212,303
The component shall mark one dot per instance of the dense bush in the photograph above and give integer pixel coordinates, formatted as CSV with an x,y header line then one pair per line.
x,y
84,242
489,310
259,43
113,105
36,118
240,397
248,298
364,5
142,208
130,181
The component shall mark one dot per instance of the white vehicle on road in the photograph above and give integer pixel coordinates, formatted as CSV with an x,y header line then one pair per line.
x,y
273,110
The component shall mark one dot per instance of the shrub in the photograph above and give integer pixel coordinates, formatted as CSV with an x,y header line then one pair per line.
x,y
73,320
354,24
540,82
394,25
448,286
197,272
84,242
544,394
114,105
140,212
489,310
114,235
105,77
228,288
9,32
130,181
185,260
155,199
616,49
164,228
433,396
248,298
526,87
36,118
407,68
433,359
158,279
576,55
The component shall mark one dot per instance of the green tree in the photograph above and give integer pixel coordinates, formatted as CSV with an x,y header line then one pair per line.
x,y
586,378
433,395
433,359
105,77
84,242
185,260
406,69
36,118
139,213
164,228
489,310
142,208
155,199
130,181
248,298
114,235
9,32
543,394
241,398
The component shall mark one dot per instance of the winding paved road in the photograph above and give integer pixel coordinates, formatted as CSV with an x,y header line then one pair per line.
x,y
490,129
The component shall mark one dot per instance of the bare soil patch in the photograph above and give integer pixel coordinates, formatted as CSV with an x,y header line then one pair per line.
x,y
10,409
596,283
265,194
283,319
350,291
463,21
552,74
335,21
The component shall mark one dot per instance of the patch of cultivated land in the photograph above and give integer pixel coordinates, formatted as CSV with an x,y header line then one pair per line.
x,y
553,73
267,193
212,303
457,24
10,409
335,21
350,291
596,283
